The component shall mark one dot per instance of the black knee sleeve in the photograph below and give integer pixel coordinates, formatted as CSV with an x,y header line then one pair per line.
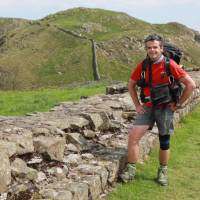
x,y
164,142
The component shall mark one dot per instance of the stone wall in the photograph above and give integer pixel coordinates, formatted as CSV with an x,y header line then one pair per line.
x,y
75,150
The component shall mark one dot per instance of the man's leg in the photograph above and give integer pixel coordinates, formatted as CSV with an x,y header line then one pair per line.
x,y
164,120
163,158
141,124
133,152
133,142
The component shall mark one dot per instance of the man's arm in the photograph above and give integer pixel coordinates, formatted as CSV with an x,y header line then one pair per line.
x,y
133,93
188,89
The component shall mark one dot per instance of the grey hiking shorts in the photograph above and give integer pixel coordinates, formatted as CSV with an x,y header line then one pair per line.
x,y
163,117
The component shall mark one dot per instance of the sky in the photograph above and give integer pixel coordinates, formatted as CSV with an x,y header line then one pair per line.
x,y
153,11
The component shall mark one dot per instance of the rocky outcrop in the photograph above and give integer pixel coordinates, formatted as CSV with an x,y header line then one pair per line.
x,y
75,150
91,27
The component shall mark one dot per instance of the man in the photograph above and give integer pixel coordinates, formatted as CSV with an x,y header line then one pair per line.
x,y
148,113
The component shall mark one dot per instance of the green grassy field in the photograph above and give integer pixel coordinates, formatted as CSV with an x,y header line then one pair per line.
x,y
15,103
38,53
184,166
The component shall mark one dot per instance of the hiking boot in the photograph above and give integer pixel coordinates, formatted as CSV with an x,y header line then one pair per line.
x,y
128,173
162,176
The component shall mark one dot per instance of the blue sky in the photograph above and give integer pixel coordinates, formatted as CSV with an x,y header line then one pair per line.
x,y
154,11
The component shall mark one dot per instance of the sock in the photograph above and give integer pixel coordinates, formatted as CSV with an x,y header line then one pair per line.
x,y
163,166
131,164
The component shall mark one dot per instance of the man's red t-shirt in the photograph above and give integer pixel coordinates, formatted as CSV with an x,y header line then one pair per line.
x,y
159,75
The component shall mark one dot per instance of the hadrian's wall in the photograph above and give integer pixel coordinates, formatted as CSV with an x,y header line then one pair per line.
x,y
75,150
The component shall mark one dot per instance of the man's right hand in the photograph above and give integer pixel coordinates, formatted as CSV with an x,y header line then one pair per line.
x,y
140,109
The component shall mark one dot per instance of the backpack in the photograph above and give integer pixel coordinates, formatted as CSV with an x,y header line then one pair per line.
x,y
173,52
165,93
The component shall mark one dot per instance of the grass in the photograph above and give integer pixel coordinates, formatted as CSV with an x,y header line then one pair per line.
x,y
183,170
36,54
16,103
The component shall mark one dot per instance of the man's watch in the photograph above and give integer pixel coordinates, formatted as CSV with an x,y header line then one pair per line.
x,y
178,105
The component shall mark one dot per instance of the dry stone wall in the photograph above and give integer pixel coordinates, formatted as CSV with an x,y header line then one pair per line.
x,y
75,150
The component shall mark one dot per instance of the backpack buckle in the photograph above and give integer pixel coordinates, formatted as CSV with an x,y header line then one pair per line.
x,y
171,79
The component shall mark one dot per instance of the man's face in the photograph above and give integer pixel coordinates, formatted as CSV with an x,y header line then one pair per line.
x,y
154,50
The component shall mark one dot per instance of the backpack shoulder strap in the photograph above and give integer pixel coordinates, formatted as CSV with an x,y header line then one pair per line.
x,y
167,66
168,71
144,66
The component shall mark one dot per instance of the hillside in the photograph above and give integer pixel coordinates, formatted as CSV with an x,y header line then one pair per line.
x,y
57,49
